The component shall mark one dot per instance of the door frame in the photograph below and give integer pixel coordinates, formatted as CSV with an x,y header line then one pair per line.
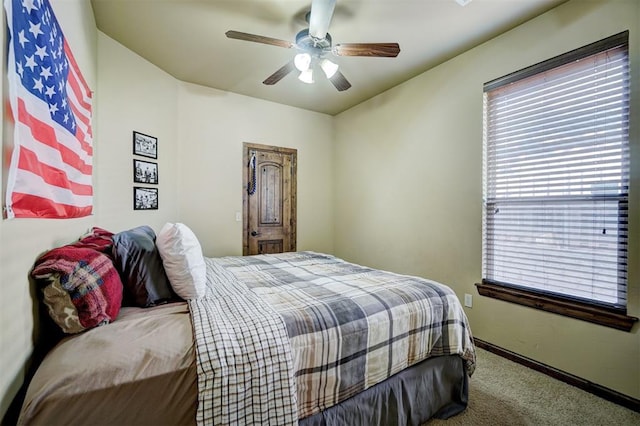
x,y
247,147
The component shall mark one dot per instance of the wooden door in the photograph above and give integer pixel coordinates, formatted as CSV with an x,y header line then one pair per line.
x,y
269,200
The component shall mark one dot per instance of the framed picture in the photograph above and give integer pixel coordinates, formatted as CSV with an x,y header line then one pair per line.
x,y
145,172
145,145
145,198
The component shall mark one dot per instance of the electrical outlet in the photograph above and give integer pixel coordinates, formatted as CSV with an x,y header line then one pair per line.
x,y
468,300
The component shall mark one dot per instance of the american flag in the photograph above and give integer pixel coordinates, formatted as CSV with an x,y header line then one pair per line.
x,y
51,163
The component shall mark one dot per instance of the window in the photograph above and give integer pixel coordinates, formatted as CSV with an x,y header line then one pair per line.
x,y
556,182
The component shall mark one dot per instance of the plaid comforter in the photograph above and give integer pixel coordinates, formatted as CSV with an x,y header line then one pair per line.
x,y
347,327
243,356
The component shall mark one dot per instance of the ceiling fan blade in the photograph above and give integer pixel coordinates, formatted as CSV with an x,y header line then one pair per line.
x,y
321,14
387,50
259,39
340,82
280,74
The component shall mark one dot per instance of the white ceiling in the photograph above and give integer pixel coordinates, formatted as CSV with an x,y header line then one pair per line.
x,y
186,38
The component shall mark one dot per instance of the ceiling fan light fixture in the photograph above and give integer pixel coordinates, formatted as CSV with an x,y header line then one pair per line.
x,y
306,76
314,42
302,61
329,68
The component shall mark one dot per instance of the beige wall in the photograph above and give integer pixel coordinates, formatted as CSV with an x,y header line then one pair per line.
x,y
133,95
213,126
408,188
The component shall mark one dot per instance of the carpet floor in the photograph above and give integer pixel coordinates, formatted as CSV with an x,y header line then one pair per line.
x,y
502,392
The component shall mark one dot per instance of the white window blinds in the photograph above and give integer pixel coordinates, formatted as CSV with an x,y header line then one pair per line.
x,y
556,175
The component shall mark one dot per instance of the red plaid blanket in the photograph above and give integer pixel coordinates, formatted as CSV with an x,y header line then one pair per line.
x,y
86,274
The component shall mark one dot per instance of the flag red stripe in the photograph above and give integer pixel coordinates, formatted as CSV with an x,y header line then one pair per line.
x,y
44,134
72,82
26,205
75,88
53,176
80,135
78,114
74,64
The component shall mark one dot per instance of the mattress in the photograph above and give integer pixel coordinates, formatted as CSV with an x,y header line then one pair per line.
x,y
140,369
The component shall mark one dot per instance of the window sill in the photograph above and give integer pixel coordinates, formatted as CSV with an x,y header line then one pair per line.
x,y
567,308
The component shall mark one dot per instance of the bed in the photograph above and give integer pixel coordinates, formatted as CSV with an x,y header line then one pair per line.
x,y
293,338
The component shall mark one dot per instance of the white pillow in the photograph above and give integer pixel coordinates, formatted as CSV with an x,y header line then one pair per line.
x,y
183,261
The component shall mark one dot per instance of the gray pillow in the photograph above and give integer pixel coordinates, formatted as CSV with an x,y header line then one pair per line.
x,y
139,264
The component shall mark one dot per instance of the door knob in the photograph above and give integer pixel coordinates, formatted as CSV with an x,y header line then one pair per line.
x,y
254,233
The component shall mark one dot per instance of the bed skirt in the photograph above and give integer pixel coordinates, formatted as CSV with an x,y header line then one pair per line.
x,y
434,388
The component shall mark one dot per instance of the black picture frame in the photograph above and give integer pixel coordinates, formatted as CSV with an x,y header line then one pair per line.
x,y
145,145
145,172
145,198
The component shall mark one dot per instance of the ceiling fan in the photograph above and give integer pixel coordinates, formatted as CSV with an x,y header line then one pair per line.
x,y
314,45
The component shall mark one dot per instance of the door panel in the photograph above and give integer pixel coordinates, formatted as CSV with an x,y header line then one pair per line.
x,y
269,199
270,246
